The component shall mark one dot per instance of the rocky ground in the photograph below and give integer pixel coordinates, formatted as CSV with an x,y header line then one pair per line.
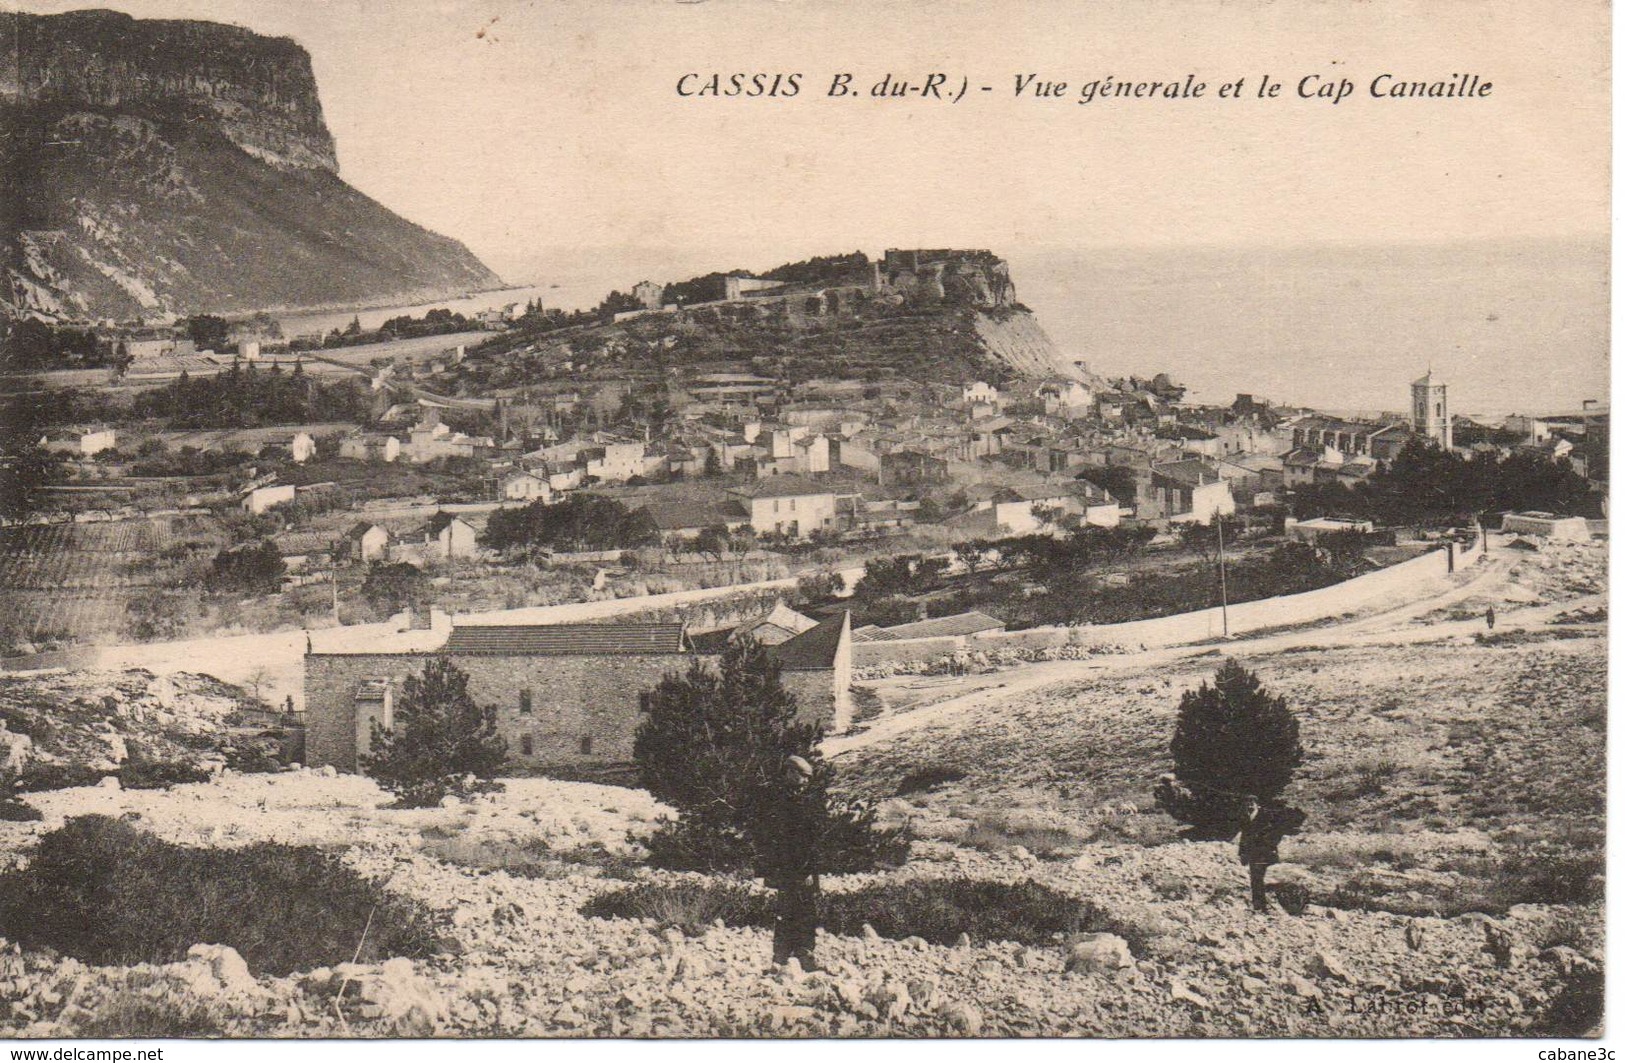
x,y
521,960
1445,781
62,726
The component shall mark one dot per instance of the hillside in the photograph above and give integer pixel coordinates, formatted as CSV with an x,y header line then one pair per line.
x,y
185,166
944,315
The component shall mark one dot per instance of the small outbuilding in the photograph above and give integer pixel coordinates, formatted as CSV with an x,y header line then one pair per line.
x,y
1546,526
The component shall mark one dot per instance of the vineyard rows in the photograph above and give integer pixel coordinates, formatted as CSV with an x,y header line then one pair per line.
x,y
72,581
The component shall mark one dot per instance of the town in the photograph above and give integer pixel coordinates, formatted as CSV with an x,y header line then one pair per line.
x,y
796,639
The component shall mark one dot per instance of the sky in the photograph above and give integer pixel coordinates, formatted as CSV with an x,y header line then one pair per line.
x,y
550,138
518,126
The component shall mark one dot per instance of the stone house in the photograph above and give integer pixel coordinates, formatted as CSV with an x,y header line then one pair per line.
x,y
978,393
566,695
366,542
1066,398
1546,525
1372,439
648,294
370,446
1190,490
613,462
260,499
524,485
446,536
97,440
788,505
1020,510
682,520
912,468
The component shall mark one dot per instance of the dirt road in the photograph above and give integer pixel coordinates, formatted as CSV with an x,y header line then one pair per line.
x,y
1395,625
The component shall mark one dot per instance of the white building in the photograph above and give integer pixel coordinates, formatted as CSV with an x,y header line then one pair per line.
x,y
979,392
302,447
261,499
523,485
614,462
97,440
788,505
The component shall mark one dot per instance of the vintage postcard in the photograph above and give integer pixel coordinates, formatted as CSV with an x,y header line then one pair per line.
x,y
807,519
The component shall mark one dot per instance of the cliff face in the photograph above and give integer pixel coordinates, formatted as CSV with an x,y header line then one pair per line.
x,y
182,166
942,316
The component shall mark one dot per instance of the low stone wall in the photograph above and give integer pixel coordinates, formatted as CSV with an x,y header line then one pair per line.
x,y
903,651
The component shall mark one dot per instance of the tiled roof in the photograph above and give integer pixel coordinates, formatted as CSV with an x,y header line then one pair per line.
x,y
780,616
296,543
938,627
676,516
1192,472
441,521
812,650
567,640
784,487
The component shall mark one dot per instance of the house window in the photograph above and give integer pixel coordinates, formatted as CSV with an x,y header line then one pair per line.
x,y
526,745
525,702
586,745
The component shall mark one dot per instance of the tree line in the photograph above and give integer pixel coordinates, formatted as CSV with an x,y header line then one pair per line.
x,y
1426,485
579,522
246,397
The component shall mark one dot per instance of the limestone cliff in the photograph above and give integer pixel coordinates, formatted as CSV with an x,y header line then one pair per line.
x,y
944,316
182,166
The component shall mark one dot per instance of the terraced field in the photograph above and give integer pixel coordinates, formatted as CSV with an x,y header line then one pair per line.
x,y
71,583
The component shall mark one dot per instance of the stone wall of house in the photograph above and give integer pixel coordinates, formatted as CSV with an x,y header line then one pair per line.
x,y
582,710
820,699
333,732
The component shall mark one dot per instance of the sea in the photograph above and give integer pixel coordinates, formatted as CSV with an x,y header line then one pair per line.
x,y
1510,327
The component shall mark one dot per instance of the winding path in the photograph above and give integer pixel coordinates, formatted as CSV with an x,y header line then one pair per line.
x,y
1391,625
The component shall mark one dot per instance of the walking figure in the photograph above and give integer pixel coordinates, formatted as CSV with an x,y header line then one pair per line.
x,y
1489,617
1259,843
792,870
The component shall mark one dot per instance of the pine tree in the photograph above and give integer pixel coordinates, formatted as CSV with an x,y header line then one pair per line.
x,y
443,743
716,744
1232,739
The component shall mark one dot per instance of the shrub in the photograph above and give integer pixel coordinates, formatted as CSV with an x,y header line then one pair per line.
x,y
14,811
526,857
254,569
158,775
103,892
130,1014
718,746
689,906
1232,739
996,834
1550,873
252,759
936,909
393,586
928,778
1577,1008
42,775
443,742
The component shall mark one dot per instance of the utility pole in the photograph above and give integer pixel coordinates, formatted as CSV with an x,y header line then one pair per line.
x,y
1224,590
